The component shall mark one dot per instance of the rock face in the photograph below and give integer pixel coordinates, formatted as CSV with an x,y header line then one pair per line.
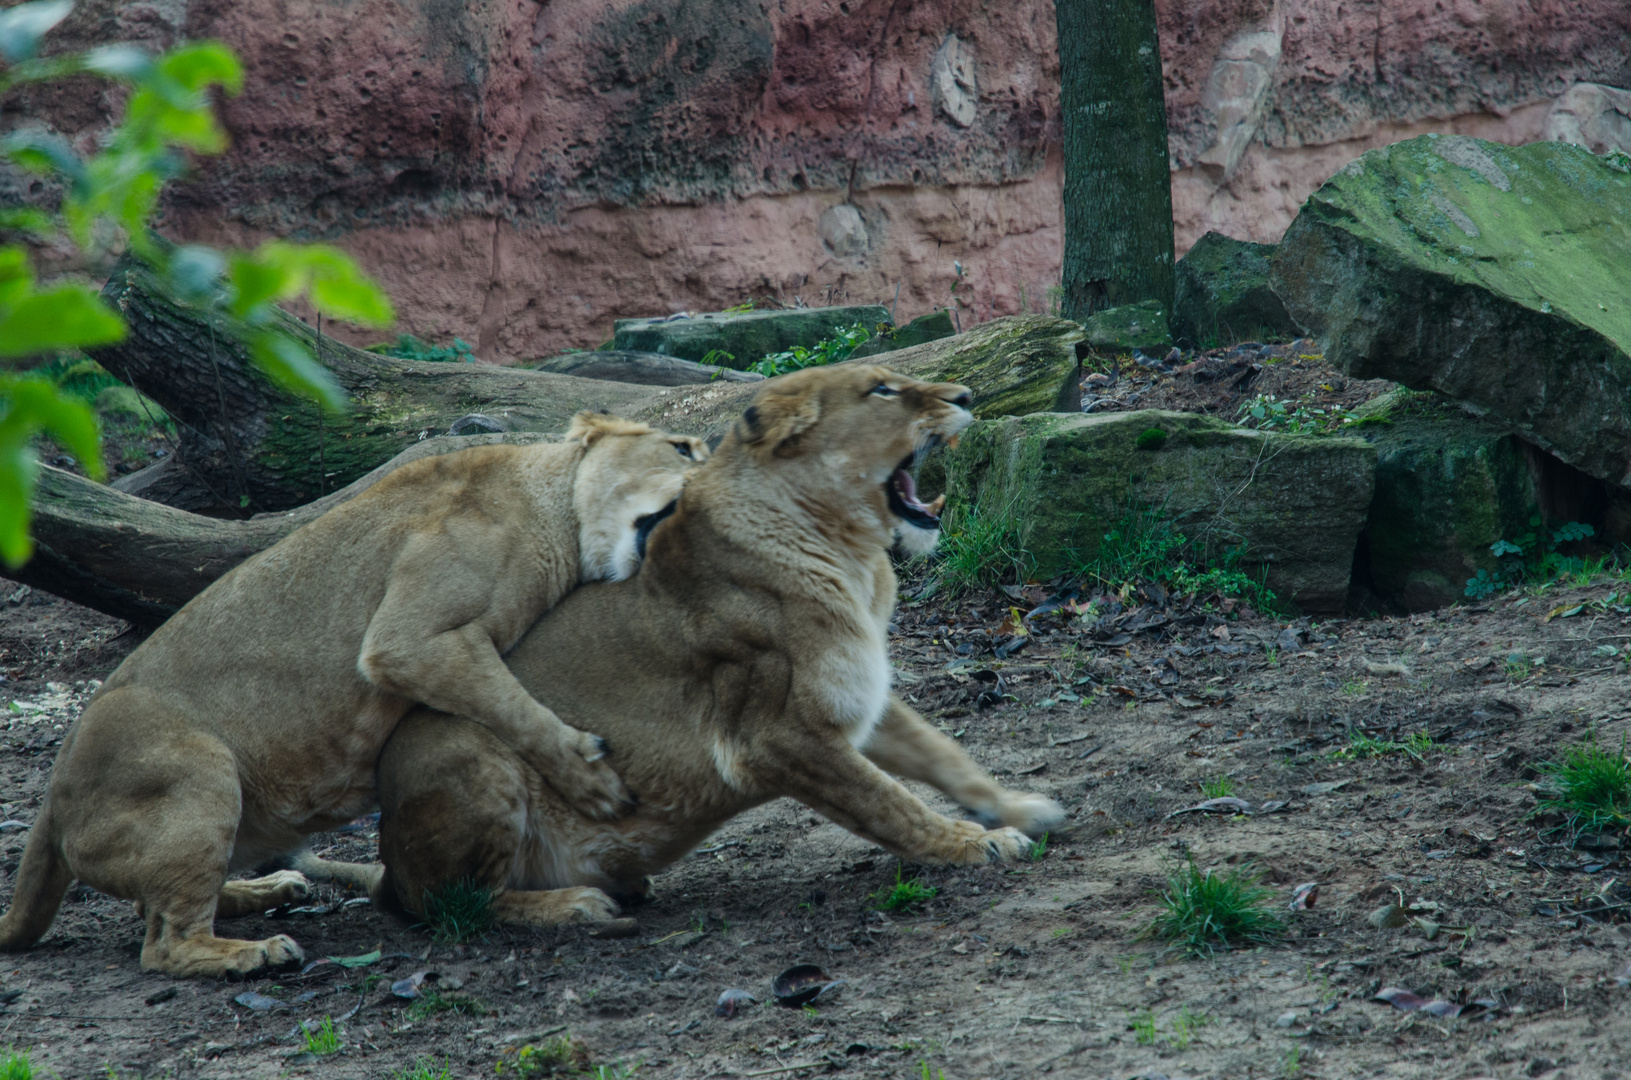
x,y
1297,503
746,338
522,174
1593,116
1492,274
1447,487
1223,294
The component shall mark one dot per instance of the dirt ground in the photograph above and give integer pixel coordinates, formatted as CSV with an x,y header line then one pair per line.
x,y
1008,971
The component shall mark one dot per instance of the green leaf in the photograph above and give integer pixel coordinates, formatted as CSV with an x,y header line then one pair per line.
x,y
40,405
22,27
194,271
16,275
18,471
358,961
356,300
44,153
67,317
255,281
287,363
204,63
26,219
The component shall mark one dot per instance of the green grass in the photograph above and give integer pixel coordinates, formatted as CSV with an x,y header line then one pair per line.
x,y
1143,1027
1145,545
1418,744
460,912
906,894
16,1066
980,546
1220,788
561,1054
1039,848
408,347
322,1039
1590,787
1203,911
1185,1026
434,1002
425,1069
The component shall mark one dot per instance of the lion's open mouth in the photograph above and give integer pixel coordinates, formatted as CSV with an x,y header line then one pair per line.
x,y
903,500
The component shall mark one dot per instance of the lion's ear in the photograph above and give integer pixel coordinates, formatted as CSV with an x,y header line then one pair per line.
x,y
776,419
589,427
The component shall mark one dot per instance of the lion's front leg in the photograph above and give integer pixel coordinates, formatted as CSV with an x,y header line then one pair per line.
x,y
838,782
907,745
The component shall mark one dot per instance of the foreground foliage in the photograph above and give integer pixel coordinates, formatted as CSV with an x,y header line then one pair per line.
x,y
1590,787
108,200
1202,911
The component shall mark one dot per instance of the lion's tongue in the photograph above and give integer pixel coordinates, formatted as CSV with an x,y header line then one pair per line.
x,y
906,488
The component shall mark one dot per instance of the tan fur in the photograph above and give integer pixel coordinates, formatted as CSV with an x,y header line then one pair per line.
x,y
255,716
745,661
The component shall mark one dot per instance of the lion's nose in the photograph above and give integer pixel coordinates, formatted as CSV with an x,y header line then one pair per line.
x,y
965,399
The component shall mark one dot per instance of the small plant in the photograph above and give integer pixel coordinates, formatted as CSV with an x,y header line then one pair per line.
x,y
426,1069
1220,788
1143,1027
1185,1026
16,1066
1590,787
1518,668
1203,911
906,894
409,347
560,1054
434,1002
938,1074
322,1039
981,545
828,351
459,912
1533,557
717,358
1268,413
1039,848
1293,1065
1417,745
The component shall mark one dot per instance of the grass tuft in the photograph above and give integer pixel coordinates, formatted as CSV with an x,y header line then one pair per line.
x,y
1204,911
1220,788
460,912
1590,787
561,1054
1039,848
906,894
1418,744
322,1039
16,1066
425,1069
433,1002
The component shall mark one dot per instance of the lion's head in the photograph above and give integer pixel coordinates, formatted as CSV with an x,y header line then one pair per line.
x,y
627,482
864,428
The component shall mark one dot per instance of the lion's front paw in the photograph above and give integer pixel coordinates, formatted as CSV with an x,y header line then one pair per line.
x,y
975,845
1006,845
583,777
1032,815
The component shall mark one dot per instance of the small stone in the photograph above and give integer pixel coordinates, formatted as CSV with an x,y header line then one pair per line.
x,y
1287,1019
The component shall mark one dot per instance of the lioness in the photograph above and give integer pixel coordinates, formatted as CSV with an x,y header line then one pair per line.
x,y
256,714
745,660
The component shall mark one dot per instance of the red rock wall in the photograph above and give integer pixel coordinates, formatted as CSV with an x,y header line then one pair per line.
x,y
522,173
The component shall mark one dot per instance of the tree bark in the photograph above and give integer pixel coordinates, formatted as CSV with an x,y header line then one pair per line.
x,y
246,445
141,561
1118,184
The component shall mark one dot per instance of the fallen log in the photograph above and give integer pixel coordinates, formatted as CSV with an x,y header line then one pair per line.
x,y
141,561
246,445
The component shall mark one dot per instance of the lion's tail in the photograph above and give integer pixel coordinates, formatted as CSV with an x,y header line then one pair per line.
x,y
42,879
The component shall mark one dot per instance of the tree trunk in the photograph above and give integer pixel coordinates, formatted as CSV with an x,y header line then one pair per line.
x,y
1118,185
141,561
246,445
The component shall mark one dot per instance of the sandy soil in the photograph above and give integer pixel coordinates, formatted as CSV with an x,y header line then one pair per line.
x,y
1007,971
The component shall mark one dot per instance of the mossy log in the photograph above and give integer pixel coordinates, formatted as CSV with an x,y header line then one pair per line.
x,y
141,561
245,445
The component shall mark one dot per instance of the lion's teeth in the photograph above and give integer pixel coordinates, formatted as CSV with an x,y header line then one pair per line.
x,y
934,507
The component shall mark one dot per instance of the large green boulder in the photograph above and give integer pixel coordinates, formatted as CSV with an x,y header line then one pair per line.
x,y
746,338
1223,295
1448,486
1060,482
1494,274
1141,326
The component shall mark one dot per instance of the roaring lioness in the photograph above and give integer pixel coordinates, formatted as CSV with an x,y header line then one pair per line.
x,y
745,660
255,715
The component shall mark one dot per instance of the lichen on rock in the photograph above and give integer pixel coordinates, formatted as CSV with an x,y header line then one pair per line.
x,y
1295,504
1493,274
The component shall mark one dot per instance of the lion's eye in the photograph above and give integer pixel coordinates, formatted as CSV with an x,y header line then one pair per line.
x,y
685,450
884,390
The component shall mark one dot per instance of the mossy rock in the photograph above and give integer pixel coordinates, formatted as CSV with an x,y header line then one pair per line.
x,y
748,337
1296,503
1497,275
1223,294
925,328
1141,326
1448,485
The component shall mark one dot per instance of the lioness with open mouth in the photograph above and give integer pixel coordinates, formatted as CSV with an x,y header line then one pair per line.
x,y
255,716
746,660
